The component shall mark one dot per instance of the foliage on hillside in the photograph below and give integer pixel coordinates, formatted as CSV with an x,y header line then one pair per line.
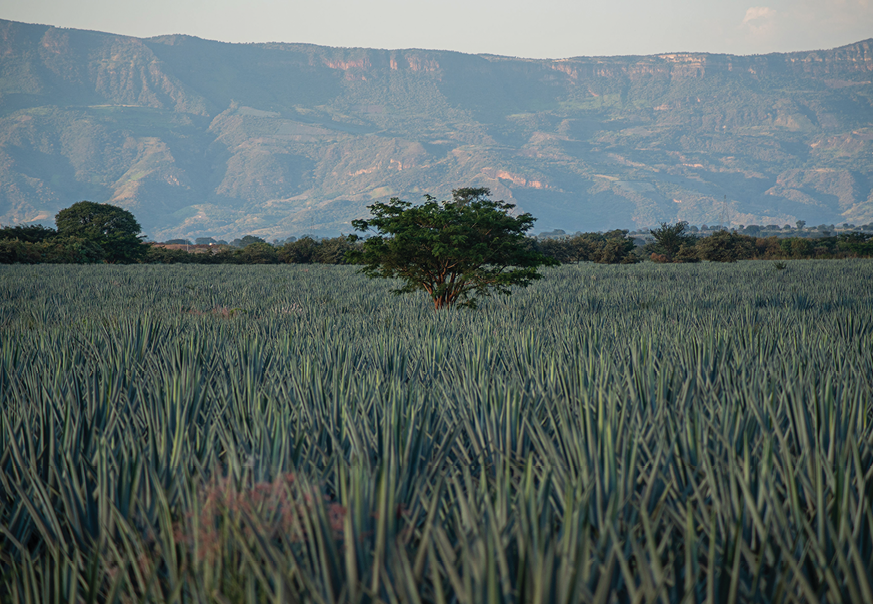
x,y
281,139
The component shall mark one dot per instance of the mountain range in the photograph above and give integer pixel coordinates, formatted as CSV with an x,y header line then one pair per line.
x,y
203,138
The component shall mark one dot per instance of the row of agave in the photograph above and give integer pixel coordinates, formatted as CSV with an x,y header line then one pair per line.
x,y
688,433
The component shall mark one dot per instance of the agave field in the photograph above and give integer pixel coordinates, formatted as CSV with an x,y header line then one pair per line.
x,y
643,433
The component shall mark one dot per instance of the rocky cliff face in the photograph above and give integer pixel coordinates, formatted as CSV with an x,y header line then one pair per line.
x,y
205,138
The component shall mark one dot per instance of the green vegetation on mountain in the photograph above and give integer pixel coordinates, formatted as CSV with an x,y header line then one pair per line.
x,y
202,138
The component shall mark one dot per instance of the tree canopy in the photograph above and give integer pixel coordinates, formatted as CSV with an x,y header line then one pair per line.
x,y
724,246
671,238
31,233
454,250
612,247
114,229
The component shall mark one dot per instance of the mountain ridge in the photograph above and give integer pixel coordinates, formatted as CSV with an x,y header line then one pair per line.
x,y
198,137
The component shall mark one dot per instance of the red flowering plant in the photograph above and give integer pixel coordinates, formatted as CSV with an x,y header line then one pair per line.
x,y
277,511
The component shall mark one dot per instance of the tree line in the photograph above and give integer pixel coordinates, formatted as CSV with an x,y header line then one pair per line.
x,y
674,243
89,232
306,250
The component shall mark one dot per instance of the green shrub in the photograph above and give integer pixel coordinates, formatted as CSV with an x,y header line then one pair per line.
x,y
612,247
725,246
301,251
672,240
57,250
258,252
307,250
30,233
860,244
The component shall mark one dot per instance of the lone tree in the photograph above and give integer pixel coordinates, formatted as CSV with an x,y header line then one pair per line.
x,y
453,250
114,229
671,237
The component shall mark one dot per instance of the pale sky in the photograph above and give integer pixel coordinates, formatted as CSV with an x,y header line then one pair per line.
x,y
543,29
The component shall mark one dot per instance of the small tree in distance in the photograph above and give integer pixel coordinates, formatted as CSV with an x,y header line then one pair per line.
x,y
454,250
671,237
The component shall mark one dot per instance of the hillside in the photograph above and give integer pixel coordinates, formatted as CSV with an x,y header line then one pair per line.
x,y
207,138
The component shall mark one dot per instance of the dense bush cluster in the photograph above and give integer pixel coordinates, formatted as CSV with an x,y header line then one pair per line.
x,y
305,250
612,247
673,243
86,232
56,250
90,233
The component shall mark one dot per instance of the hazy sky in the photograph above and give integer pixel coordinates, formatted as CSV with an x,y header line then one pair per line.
x,y
526,28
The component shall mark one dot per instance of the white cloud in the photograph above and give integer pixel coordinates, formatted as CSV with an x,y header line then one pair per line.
x,y
760,22
798,25
758,12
